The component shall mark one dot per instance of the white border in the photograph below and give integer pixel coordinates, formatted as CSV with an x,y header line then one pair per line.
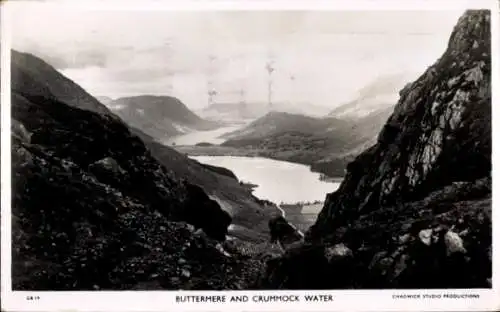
x,y
352,300
5,150
210,5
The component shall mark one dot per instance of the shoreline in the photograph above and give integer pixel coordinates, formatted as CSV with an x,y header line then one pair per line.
x,y
218,150
297,218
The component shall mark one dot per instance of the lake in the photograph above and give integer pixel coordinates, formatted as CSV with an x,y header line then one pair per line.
x,y
277,181
195,137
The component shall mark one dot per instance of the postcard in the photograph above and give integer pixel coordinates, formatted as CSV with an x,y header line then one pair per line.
x,y
249,155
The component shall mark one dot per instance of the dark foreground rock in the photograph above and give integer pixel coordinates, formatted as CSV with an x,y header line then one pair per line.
x,y
98,204
441,241
92,209
414,210
283,232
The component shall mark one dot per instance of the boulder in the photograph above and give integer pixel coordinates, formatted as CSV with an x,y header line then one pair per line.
x,y
338,251
109,170
283,232
425,236
454,243
205,213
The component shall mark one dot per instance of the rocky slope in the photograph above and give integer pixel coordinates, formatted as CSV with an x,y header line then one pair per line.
x,y
248,212
85,209
159,116
414,210
94,208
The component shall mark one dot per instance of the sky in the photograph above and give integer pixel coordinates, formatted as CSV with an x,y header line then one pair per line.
x,y
319,57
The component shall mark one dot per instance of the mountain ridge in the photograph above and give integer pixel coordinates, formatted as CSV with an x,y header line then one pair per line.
x,y
34,72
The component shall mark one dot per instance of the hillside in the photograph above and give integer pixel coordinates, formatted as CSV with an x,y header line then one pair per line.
x,y
366,127
33,76
159,116
327,144
247,211
93,208
278,122
414,209
79,203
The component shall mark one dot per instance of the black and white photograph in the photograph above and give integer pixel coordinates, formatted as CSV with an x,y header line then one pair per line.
x,y
249,150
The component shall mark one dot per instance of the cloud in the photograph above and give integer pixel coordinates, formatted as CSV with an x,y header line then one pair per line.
x,y
331,54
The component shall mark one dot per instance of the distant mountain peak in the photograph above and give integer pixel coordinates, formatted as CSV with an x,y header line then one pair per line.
x,y
160,116
381,93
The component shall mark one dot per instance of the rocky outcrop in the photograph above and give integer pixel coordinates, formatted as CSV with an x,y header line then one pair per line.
x,y
439,133
109,170
212,219
92,209
415,208
91,206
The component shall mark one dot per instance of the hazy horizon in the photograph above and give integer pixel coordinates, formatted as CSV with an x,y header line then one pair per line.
x,y
320,57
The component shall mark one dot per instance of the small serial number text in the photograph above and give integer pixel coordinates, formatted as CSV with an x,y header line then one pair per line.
x,y
32,298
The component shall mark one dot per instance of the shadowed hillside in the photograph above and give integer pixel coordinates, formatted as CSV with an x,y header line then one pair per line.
x,y
93,208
